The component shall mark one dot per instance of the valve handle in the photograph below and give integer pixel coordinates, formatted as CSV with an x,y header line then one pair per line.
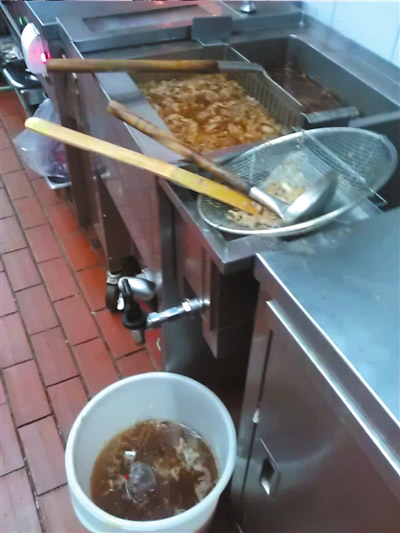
x,y
133,316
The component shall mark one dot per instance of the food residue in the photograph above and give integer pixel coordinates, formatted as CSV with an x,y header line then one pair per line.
x,y
286,182
210,111
153,470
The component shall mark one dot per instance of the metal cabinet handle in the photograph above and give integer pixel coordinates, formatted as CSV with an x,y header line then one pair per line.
x,y
269,475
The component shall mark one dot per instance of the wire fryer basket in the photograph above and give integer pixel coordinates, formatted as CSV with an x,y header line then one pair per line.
x,y
363,160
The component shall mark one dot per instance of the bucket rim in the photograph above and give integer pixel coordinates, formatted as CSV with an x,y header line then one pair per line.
x,y
151,525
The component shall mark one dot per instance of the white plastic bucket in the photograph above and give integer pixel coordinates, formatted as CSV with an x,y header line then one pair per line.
x,y
158,395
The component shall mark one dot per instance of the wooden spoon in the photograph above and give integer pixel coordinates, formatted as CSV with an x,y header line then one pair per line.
x,y
180,176
167,139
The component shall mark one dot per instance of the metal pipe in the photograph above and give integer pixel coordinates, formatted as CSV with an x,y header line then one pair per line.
x,y
186,308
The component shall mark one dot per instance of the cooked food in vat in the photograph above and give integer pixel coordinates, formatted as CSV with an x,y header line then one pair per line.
x,y
210,111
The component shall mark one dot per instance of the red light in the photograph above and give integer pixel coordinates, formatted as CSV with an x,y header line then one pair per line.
x,y
44,56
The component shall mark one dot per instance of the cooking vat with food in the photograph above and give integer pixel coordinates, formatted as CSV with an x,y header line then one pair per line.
x,y
154,395
260,99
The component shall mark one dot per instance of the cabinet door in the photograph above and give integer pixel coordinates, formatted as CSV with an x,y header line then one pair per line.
x,y
306,472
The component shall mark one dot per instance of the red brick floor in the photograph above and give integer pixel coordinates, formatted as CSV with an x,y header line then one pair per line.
x,y
59,345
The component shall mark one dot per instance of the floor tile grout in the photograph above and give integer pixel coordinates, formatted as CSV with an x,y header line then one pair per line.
x,y
52,490
26,288
15,364
48,398
80,292
24,456
59,238
143,348
9,216
85,341
15,470
8,314
62,381
34,421
58,320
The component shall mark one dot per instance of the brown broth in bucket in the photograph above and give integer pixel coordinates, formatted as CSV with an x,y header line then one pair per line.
x,y
153,470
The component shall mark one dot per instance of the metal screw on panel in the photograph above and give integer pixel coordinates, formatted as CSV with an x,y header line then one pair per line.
x,y
248,7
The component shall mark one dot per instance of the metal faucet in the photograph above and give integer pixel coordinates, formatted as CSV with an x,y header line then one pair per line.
x,y
248,7
142,286
137,320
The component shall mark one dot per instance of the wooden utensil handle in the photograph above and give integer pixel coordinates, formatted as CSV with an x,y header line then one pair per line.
x,y
167,139
132,65
124,113
178,175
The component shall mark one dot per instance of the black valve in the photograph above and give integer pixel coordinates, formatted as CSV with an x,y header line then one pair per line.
x,y
133,316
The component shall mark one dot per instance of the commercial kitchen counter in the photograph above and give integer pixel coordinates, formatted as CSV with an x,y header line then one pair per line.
x,y
346,68
347,282
135,215
319,438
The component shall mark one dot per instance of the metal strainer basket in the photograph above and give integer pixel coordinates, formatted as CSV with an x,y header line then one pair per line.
x,y
363,160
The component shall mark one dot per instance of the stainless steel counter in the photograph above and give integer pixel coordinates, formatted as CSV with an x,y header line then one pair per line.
x,y
341,290
319,437
347,282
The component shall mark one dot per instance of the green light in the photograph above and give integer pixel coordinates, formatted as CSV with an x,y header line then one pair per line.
x,y
21,21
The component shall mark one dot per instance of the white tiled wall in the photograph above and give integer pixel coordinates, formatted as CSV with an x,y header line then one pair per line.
x,y
375,25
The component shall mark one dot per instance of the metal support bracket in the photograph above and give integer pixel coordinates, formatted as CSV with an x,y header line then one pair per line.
x,y
212,30
248,7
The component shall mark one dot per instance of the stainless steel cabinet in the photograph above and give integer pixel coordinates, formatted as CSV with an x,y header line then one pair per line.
x,y
308,466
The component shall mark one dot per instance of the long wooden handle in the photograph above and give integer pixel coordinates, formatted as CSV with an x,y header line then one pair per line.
x,y
132,65
167,139
125,114
178,175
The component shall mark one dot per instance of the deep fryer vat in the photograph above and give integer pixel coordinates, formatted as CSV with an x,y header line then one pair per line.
x,y
287,61
292,50
269,94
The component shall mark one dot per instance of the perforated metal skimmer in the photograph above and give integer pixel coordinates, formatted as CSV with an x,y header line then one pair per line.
x,y
364,161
